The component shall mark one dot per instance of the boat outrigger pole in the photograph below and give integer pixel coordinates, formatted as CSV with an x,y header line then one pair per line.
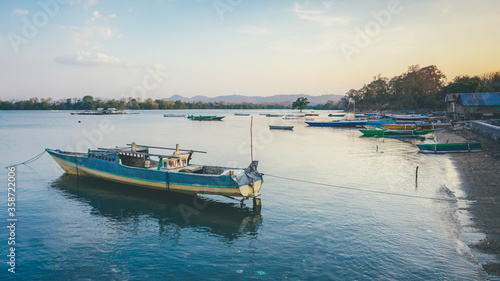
x,y
168,148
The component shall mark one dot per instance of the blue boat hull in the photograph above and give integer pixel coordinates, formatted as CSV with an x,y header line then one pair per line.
x,y
240,184
337,123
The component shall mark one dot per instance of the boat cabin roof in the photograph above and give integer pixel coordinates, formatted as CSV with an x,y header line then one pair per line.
x,y
142,150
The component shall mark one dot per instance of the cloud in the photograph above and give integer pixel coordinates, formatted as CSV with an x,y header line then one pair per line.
x,y
319,15
255,30
88,59
98,16
21,12
85,2
79,34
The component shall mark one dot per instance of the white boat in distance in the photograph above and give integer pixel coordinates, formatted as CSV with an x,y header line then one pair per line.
x,y
174,115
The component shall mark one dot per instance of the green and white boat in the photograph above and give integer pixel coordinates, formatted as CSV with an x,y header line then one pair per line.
x,y
449,147
395,133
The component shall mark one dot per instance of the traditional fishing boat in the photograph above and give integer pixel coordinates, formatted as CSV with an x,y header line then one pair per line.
x,y
379,122
418,126
174,115
449,147
135,165
205,118
102,111
408,116
336,115
395,133
312,114
278,127
242,114
337,123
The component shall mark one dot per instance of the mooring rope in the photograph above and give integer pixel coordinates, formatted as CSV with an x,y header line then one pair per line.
x,y
367,190
29,160
309,182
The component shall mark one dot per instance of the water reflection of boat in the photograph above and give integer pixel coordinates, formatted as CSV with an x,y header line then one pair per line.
x,y
173,212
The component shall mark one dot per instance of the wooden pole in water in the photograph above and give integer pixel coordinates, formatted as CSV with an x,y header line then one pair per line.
x,y
251,138
416,177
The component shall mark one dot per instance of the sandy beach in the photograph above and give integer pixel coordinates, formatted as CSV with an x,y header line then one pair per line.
x,y
480,175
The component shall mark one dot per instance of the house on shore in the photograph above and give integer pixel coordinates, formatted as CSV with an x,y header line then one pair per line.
x,y
473,105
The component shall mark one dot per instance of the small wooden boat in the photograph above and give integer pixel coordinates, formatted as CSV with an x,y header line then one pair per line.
x,y
395,133
135,165
102,111
379,122
274,115
418,126
278,127
312,114
338,123
399,126
450,147
407,116
336,115
205,118
242,114
295,115
174,115
202,116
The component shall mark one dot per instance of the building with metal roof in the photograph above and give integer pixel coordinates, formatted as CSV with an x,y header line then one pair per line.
x,y
473,105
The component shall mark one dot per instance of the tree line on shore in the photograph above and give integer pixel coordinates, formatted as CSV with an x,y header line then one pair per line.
x,y
417,88
89,103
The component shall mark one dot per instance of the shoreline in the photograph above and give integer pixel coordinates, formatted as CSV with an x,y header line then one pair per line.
x,y
480,176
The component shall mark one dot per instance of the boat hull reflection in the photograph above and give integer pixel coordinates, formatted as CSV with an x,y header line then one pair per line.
x,y
172,211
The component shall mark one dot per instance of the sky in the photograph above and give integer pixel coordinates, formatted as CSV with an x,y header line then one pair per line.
x,y
156,49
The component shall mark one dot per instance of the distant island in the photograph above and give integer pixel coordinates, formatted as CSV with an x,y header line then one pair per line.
x,y
276,99
417,89
88,102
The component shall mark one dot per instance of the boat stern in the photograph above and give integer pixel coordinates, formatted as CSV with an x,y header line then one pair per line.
x,y
251,182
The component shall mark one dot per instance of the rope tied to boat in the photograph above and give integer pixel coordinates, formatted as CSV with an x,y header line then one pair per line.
x,y
368,190
28,161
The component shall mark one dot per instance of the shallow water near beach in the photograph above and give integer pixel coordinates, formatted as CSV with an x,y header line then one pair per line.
x,y
77,228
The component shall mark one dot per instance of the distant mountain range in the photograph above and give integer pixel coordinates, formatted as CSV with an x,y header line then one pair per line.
x,y
280,99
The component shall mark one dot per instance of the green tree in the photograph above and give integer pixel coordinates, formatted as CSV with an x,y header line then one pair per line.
x,y
492,81
88,102
465,84
301,103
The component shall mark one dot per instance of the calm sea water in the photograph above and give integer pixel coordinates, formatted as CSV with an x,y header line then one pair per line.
x,y
77,228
